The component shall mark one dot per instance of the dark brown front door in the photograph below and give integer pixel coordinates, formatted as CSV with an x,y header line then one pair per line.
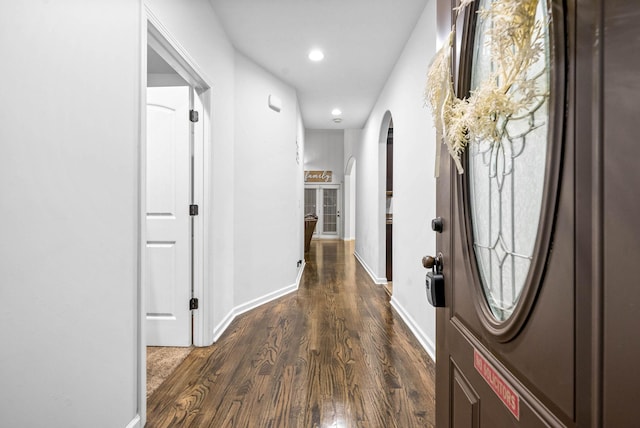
x,y
538,250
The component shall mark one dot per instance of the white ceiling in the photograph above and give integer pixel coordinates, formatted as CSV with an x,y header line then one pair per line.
x,y
361,40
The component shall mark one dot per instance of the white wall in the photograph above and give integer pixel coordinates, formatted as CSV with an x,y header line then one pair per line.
x,y
413,184
69,139
196,27
350,184
268,199
324,151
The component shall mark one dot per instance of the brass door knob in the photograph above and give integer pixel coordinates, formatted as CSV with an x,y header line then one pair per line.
x,y
428,262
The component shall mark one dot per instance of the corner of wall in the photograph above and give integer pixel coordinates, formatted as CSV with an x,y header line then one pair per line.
x,y
246,307
424,340
376,279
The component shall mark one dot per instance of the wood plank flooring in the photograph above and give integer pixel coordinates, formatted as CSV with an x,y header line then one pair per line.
x,y
332,354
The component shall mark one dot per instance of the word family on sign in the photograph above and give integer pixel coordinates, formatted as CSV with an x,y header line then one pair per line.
x,y
318,176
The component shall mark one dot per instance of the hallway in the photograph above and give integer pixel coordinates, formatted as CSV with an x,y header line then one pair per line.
x,y
332,354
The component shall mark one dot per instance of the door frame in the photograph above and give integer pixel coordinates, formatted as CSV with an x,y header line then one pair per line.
x,y
155,34
317,234
382,195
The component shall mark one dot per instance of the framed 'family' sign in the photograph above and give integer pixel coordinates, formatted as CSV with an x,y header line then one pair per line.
x,y
318,176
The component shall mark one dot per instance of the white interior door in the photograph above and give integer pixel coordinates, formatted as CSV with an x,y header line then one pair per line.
x,y
168,275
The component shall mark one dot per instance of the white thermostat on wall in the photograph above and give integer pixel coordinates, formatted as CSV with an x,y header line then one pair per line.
x,y
275,103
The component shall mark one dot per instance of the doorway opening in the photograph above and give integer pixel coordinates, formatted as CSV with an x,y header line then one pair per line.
x,y
389,209
175,109
324,200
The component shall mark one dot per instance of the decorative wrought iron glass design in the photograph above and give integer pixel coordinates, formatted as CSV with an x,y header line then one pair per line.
x,y
330,211
310,202
506,182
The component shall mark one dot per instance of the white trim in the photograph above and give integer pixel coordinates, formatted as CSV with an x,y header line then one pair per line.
x,y
200,224
207,293
174,53
376,280
423,339
141,362
245,307
135,422
224,324
252,304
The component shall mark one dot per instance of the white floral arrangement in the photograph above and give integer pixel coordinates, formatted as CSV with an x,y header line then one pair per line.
x,y
515,39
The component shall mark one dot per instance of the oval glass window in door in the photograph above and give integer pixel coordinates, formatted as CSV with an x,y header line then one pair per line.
x,y
506,179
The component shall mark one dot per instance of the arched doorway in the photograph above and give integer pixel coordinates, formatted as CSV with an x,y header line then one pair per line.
x,y
386,198
389,210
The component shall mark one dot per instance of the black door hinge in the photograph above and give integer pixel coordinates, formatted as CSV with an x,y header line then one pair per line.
x,y
193,303
193,210
193,116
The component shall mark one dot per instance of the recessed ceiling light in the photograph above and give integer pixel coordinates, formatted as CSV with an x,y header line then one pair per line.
x,y
316,55
337,119
336,112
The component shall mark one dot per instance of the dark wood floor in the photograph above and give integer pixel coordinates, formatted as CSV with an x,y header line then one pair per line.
x,y
332,354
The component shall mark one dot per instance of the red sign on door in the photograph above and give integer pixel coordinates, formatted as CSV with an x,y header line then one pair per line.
x,y
497,383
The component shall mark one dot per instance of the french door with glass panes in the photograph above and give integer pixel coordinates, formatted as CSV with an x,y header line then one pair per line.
x,y
324,201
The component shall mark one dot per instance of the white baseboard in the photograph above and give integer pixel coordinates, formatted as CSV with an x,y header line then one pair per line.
x,y
135,422
224,324
376,280
423,339
245,307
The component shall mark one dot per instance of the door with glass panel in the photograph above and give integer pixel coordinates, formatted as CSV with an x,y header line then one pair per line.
x,y
513,329
324,201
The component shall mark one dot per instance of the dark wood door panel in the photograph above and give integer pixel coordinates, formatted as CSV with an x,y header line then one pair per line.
x,y
496,388
542,355
620,210
465,402
533,351
573,358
